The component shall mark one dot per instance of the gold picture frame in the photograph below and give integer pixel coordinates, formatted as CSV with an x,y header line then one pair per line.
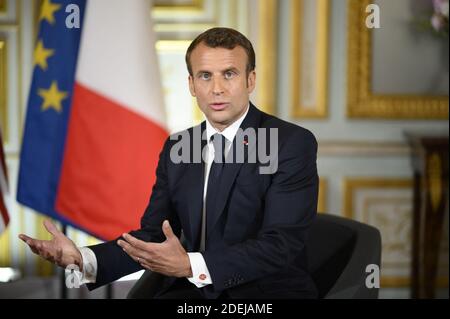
x,y
351,185
309,84
362,102
266,56
193,5
37,5
169,10
322,206
3,91
3,6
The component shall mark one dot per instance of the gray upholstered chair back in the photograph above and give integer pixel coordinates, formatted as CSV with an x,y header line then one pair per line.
x,y
339,251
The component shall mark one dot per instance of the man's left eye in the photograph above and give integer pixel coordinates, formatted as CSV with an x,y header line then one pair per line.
x,y
229,75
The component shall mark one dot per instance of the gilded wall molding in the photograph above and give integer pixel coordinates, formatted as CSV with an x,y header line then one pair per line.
x,y
435,181
266,55
351,186
37,4
361,101
3,6
171,6
320,77
322,206
185,20
5,248
363,148
183,27
394,282
3,91
10,12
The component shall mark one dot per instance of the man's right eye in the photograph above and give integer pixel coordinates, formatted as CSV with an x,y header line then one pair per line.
x,y
205,76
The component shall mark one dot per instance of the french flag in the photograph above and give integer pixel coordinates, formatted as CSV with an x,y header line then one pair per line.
x,y
95,120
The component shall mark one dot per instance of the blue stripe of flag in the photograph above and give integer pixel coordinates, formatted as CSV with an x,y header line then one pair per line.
x,y
46,129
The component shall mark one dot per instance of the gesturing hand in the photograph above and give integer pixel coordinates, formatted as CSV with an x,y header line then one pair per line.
x,y
168,258
60,250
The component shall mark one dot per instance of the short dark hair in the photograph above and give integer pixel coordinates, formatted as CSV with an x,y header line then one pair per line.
x,y
223,38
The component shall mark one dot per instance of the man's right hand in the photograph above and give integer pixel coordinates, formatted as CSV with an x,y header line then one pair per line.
x,y
60,250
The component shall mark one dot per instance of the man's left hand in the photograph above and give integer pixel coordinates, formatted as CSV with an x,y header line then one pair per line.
x,y
168,258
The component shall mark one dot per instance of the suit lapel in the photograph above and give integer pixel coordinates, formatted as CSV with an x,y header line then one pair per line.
x,y
196,172
231,170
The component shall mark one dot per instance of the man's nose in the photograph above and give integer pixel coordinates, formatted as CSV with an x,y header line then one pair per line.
x,y
217,88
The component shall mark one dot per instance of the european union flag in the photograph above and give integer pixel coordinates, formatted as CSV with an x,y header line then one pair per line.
x,y
49,103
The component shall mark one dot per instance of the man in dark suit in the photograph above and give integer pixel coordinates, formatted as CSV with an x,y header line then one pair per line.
x,y
244,231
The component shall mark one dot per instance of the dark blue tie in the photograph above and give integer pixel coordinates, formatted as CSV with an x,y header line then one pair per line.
x,y
215,174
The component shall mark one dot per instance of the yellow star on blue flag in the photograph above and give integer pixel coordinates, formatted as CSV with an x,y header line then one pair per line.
x,y
41,54
52,97
48,10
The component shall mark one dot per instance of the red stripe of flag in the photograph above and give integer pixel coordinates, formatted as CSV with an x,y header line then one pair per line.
x,y
3,212
109,165
4,182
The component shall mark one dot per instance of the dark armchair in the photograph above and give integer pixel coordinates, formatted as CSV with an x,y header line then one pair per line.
x,y
339,251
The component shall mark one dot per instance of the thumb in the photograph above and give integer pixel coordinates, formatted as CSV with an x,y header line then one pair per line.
x,y
51,228
167,230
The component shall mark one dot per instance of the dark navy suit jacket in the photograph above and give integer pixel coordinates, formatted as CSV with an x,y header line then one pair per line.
x,y
256,247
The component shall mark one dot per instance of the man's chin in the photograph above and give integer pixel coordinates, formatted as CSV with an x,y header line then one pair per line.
x,y
218,119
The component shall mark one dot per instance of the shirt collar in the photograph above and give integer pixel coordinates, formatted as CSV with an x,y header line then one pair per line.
x,y
230,132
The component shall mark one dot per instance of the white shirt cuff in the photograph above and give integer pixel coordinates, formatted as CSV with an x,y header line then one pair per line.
x,y
89,274
200,274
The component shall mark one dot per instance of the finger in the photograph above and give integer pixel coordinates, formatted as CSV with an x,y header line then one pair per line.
x,y
167,230
130,250
133,241
138,260
123,244
28,240
51,228
36,246
147,266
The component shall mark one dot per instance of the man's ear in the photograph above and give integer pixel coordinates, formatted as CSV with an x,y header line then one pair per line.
x,y
191,86
251,82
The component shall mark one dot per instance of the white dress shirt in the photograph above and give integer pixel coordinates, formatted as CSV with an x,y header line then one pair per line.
x,y
200,274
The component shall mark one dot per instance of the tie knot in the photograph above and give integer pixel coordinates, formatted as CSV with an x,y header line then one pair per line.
x,y
219,141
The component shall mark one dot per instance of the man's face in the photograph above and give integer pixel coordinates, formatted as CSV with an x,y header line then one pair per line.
x,y
220,83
